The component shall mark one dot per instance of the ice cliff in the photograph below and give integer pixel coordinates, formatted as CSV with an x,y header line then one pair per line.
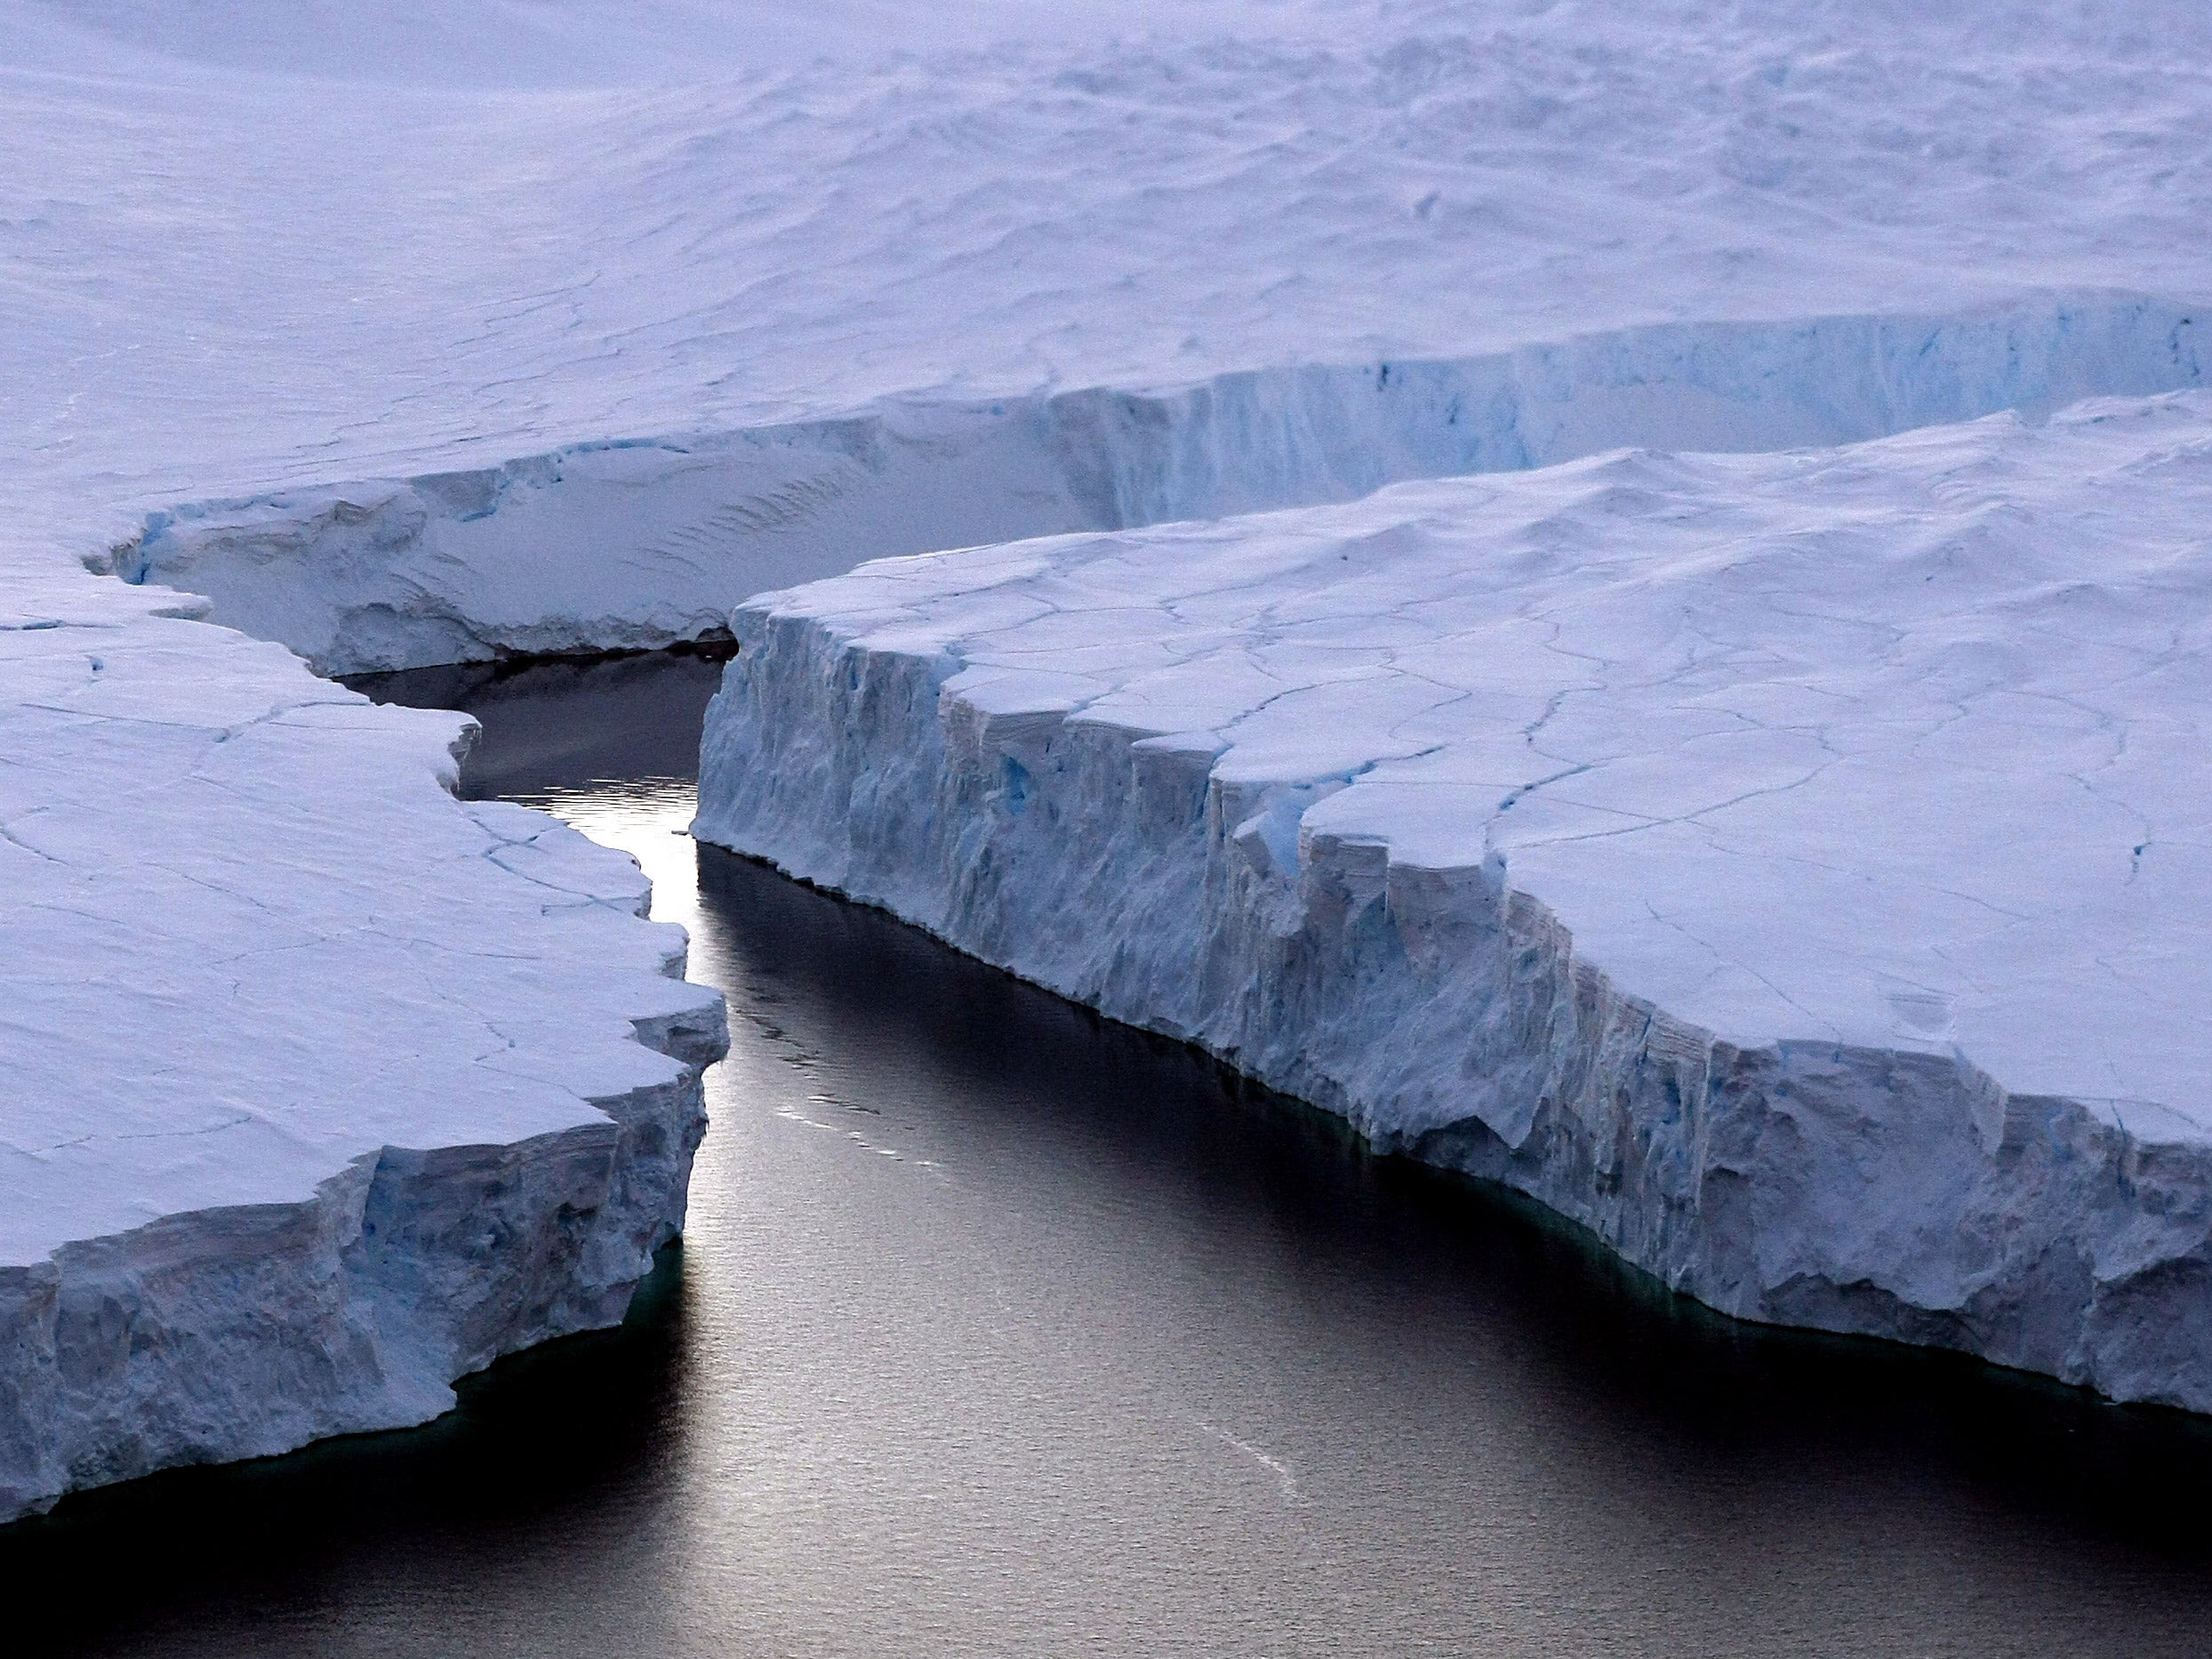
x,y
642,544
323,1088
1784,866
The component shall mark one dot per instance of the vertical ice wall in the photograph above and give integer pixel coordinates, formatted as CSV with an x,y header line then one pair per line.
x,y
1781,866
323,1088
644,543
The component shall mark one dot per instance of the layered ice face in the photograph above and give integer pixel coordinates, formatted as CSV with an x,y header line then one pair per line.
x,y
1785,865
644,543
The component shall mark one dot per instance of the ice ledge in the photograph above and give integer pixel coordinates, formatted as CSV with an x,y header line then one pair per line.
x,y
247,1330
637,544
1784,866
324,1087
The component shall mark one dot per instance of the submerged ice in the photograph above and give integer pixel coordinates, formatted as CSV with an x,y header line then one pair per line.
x,y
1787,865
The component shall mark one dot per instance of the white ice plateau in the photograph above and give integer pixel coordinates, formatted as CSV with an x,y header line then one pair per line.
x,y
1733,780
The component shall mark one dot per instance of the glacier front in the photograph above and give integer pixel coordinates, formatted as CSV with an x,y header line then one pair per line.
x,y
1789,866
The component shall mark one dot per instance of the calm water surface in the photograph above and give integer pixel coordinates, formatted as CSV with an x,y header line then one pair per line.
x,y
1001,1330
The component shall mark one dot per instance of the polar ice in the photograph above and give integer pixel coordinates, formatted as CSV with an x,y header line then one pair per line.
x,y
1612,592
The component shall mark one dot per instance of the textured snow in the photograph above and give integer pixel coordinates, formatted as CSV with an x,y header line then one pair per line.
x,y
411,332
1782,863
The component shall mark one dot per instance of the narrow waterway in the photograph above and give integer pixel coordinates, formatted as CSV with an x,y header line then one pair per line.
x,y
999,1329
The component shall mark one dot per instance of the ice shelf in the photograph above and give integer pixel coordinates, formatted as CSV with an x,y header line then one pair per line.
x,y
1787,866
323,1087
410,333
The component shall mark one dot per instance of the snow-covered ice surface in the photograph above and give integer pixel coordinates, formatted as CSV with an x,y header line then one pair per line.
x,y
409,332
443,372
322,1089
1788,866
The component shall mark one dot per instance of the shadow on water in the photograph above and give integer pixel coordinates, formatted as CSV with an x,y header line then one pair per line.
x,y
247,1556
553,724
1002,1328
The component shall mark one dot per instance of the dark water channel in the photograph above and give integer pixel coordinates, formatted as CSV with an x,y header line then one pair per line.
x,y
1001,1330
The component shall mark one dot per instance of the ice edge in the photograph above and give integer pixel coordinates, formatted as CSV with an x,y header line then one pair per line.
x,y
244,1331
1448,1017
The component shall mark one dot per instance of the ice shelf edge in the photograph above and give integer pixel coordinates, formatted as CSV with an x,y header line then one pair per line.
x,y
1448,1017
245,1331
